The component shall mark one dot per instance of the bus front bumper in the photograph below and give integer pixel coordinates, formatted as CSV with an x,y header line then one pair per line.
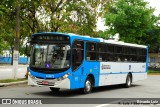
x,y
63,83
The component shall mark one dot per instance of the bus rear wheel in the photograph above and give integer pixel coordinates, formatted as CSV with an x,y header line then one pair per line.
x,y
54,89
88,85
128,81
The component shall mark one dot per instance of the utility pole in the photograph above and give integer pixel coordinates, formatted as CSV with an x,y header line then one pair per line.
x,y
16,42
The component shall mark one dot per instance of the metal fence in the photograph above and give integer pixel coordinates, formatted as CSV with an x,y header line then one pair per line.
x,y
155,69
154,66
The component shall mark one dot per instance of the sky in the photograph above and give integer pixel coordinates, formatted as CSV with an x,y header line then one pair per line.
x,y
153,3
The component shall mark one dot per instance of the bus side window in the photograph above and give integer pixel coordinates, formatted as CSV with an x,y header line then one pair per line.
x,y
91,51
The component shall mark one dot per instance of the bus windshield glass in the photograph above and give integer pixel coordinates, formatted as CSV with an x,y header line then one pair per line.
x,y
51,56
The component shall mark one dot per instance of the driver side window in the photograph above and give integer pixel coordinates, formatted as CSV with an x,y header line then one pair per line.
x,y
77,54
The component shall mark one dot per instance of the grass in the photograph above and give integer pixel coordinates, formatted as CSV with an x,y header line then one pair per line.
x,y
12,80
153,72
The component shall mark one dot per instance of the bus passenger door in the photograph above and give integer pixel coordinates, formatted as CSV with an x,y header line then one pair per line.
x,y
77,63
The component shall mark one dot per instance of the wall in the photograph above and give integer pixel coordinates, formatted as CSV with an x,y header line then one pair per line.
x,y
8,60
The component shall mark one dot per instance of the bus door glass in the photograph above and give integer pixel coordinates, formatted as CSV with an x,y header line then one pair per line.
x,y
77,54
77,60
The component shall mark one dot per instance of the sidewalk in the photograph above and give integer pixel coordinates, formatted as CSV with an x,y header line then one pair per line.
x,y
6,71
13,83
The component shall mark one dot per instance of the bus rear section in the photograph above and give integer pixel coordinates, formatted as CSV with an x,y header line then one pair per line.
x,y
116,62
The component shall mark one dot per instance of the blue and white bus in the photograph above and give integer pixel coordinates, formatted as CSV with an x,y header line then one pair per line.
x,y
70,61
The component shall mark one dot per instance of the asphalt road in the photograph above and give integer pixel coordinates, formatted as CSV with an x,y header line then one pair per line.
x,y
149,88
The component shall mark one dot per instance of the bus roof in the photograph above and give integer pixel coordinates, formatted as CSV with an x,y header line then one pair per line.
x,y
111,41
92,38
124,43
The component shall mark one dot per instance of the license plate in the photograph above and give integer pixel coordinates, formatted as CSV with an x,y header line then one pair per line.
x,y
45,82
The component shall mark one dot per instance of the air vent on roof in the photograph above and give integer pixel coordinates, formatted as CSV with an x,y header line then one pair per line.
x,y
101,39
72,33
87,36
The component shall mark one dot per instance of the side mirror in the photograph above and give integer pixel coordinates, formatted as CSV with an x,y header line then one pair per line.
x,y
27,49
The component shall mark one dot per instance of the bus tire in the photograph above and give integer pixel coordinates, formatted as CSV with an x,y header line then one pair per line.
x,y
128,81
55,90
88,85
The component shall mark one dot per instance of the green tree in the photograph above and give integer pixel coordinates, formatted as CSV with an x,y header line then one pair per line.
x,y
131,19
7,32
60,15
71,15
153,39
8,26
46,15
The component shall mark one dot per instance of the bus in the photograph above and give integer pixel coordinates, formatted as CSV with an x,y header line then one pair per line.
x,y
71,61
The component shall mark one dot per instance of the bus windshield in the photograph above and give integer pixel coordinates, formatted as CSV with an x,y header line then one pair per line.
x,y
50,56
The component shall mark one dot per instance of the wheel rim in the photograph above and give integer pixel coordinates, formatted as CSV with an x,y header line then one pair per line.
x,y
129,81
88,86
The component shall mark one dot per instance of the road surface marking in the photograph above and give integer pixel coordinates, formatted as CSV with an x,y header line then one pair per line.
x,y
102,105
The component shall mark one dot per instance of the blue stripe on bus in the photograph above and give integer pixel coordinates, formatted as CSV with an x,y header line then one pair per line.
x,y
121,73
41,75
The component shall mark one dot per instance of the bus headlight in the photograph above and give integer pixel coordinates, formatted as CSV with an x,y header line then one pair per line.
x,y
65,76
31,75
58,79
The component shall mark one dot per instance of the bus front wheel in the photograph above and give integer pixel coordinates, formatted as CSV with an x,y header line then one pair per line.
x,y
54,89
88,85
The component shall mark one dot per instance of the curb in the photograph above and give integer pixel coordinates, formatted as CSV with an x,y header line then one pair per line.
x,y
12,83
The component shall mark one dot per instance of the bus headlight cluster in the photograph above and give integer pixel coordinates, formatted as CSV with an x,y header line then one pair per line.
x,y
31,75
64,77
